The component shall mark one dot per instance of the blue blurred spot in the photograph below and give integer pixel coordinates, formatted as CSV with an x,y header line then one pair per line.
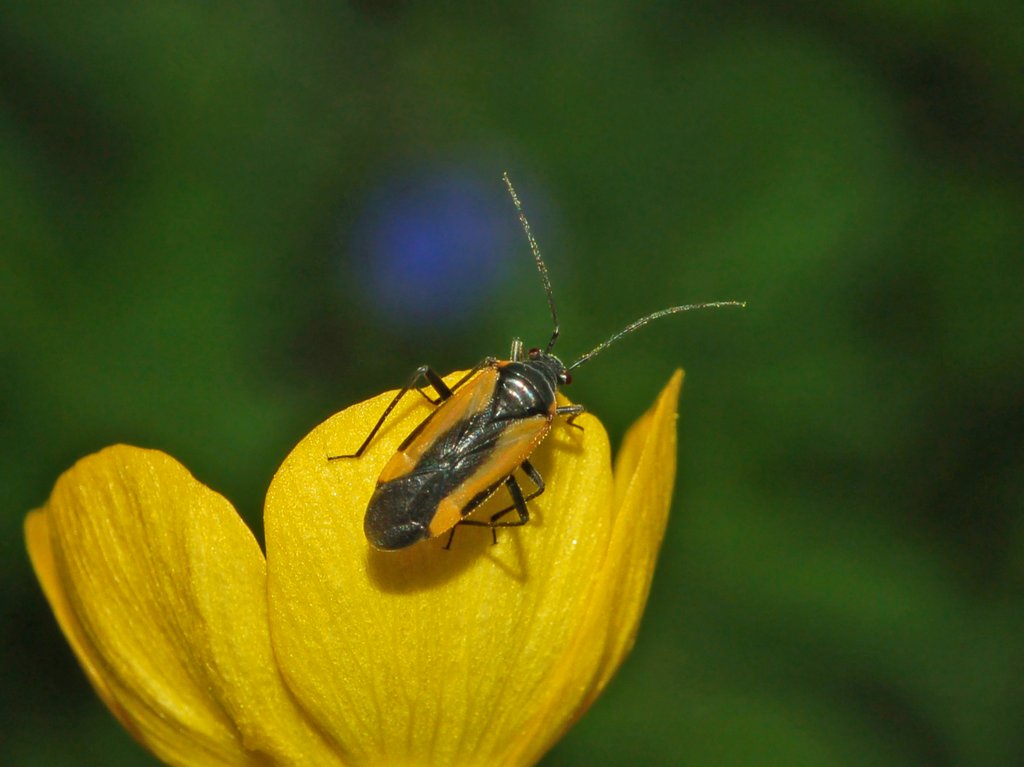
x,y
430,248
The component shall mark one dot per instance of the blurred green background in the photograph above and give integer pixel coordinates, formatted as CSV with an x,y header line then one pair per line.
x,y
222,224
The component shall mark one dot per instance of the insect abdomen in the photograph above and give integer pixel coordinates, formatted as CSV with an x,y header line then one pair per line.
x,y
400,509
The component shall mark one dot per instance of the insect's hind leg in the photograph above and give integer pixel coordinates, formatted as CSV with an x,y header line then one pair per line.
x,y
431,377
518,505
539,488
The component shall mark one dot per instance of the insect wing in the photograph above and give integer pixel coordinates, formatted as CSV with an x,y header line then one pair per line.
x,y
469,399
512,446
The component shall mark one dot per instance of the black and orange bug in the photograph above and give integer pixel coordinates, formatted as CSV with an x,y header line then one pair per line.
x,y
484,429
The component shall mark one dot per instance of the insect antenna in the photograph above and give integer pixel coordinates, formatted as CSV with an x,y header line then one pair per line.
x,y
644,320
536,257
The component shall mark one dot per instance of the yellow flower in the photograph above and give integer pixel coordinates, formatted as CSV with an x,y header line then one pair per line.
x,y
328,652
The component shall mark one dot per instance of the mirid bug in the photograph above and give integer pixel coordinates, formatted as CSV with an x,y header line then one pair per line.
x,y
484,429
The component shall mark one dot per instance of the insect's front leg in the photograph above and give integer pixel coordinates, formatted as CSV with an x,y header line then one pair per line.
x,y
424,372
574,412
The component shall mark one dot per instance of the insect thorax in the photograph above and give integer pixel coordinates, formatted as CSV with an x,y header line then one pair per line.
x,y
527,388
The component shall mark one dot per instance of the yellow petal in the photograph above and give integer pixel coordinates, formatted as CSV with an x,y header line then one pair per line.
x,y
645,472
37,537
425,656
160,589
644,476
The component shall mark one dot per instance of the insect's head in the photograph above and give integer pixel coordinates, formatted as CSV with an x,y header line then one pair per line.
x,y
556,366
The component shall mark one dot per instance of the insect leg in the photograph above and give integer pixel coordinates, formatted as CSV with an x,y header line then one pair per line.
x,y
484,363
538,482
518,504
434,379
518,353
443,392
573,411
423,371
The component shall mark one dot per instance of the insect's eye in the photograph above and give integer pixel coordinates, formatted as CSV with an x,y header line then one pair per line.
x,y
534,353
566,379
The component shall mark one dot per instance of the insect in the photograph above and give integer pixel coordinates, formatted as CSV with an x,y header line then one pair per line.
x,y
483,430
